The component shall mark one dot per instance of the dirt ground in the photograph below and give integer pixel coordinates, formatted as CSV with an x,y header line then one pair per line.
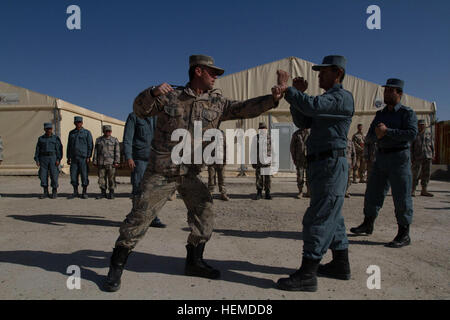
x,y
254,244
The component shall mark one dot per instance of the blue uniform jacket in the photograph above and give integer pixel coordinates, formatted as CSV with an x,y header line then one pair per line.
x,y
80,144
329,116
48,144
137,137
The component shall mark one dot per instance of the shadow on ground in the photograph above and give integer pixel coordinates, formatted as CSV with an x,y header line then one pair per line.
x,y
62,220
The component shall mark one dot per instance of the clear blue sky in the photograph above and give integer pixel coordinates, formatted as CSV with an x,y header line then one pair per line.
x,y
126,46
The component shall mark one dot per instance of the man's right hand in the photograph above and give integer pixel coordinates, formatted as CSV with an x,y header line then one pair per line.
x,y
300,84
131,164
282,78
162,89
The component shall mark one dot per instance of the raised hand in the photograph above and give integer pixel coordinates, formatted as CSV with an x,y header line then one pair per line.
x,y
300,84
162,89
282,78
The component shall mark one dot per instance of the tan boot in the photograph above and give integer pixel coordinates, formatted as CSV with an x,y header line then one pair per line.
x,y
413,192
299,195
425,193
224,197
172,197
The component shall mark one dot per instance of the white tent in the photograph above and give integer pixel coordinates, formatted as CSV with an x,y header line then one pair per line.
x,y
259,81
22,115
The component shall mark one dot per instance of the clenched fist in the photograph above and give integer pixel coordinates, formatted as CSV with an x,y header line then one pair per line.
x,y
282,78
162,89
300,84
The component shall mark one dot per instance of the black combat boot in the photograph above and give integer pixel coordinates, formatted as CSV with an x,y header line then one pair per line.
x,y
268,196
304,279
402,239
118,260
156,223
111,194
258,194
84,194
196,266
366,227
102,194
44,194
338,268
75,193
54,193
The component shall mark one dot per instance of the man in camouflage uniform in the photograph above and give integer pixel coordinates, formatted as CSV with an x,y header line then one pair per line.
x,y
107,159
422,155
298,154
351,159
48,156
178,109
369,155
360,166
79,152
218,170
262,181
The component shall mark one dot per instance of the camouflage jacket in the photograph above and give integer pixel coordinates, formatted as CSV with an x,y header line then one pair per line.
x,y
107,151
259,164
422,147
179,109
351,153
298,147
370,149
358,141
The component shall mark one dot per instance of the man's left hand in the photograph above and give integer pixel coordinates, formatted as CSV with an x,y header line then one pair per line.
x,y
381,130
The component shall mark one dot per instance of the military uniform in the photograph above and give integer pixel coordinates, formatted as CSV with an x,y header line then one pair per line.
x,y
137,138
179,109
48,152
218,170
392,167
360,167
263,181
329,117
298,154
351,159
106,158
369,155
422,153
79,150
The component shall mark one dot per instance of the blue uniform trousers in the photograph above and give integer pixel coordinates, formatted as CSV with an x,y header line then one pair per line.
x,y
78,166
48,164
137,174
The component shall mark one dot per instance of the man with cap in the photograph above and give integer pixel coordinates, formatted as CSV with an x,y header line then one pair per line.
x,y
106,159
298,154
137,138
181,108
79,152
422,154
218,170
360,167
48,156
393,128
351,159
329,116
262,181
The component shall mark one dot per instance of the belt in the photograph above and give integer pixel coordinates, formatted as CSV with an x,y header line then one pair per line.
x,y
390,150
47,153
325,154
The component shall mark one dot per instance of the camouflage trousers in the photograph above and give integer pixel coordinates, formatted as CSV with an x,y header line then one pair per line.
x,y
155,191
107,176
359,167
301,176
263,182
212,172
421,169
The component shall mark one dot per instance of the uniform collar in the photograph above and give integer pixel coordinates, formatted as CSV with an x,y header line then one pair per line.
x,y
335,87
396,107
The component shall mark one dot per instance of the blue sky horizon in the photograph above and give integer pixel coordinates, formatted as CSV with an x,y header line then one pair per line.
x,y
124,47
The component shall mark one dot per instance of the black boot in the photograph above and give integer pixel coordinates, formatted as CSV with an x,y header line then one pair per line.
x,y
54,193
102,194
268,196
338,268
196,266
156,223
84,194
258,194
44,194
118,260
304,279
75,193
402,239
111,194
366,227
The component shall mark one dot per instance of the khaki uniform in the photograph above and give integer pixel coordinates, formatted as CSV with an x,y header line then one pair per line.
x,y
370,149
218,170
298,154
360,165
178,110
263,181
351,159
106,155
422,153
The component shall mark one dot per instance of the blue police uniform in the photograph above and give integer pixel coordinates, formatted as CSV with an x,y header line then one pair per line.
x,y
49,150
79,149
393,164
137,138
329,117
